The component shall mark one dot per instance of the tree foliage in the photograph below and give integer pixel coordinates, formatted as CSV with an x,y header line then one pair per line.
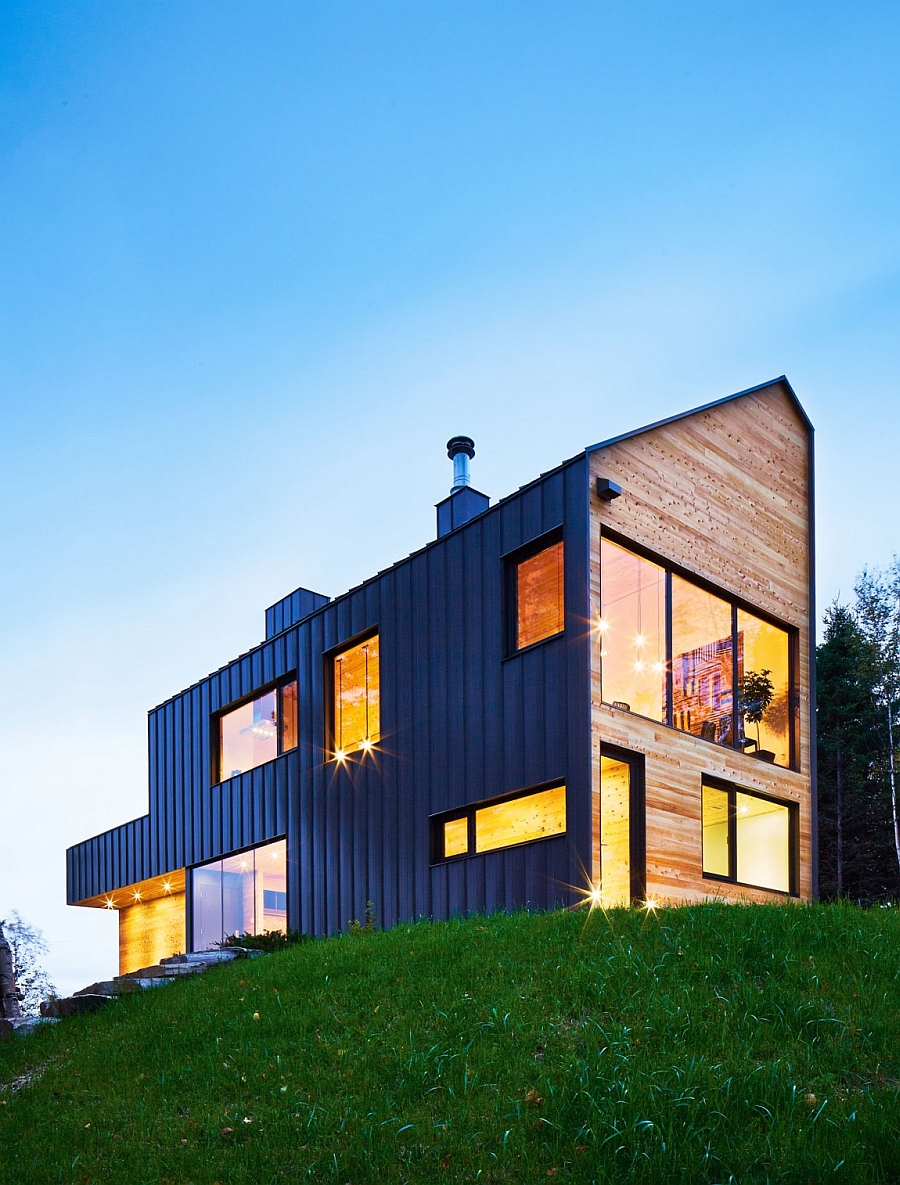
x,y
27,945
855,749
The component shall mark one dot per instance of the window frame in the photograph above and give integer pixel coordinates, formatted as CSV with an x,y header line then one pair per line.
x,y
215,728
190,869
330,724
469,811
511,561
637,816
736,604
732,789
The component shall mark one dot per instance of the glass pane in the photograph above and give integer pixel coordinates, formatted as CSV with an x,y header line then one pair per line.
x,y
539,596
533,816
763,843
715,831
632,631
271,877
248,736
289,716
763,689
702,671
239,895
356,696
456,837
207,905
615,834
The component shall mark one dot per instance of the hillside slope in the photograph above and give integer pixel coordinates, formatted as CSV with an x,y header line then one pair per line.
x,y
702,1044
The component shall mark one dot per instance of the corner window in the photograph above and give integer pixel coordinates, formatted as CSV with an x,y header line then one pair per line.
x,y
538,598
502,824
692,658
243,894
357,686
747,838
257,731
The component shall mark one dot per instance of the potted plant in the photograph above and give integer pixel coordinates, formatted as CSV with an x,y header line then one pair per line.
x,y
755,693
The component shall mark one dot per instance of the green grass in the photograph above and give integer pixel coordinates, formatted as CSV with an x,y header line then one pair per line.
x,y
703,1044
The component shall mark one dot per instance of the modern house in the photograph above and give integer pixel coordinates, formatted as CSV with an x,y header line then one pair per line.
x,y
599,687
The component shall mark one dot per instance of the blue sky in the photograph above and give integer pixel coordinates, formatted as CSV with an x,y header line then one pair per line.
x,y
260,261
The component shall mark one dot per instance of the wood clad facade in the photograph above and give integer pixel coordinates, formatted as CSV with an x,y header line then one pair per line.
x,y
725,495
464,716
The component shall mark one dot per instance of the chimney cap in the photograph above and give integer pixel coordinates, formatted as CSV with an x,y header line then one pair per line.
x,y
460,444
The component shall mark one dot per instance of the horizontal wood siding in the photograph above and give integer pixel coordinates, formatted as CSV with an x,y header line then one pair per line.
x,y
460,722
725,494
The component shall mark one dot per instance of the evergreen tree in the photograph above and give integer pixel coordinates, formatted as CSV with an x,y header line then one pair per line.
x,y
856,857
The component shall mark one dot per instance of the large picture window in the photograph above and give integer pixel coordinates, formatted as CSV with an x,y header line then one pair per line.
x,y
241,894
512,820
677,652
257,731
357,686
747,838
538,596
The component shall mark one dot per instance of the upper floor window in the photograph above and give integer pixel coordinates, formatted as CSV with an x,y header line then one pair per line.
x,y
357,685
678,653
539,602
258,731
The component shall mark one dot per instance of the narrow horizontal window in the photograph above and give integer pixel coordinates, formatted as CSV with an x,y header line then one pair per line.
x,y
530,816
539,596
747,838
357,699
257,731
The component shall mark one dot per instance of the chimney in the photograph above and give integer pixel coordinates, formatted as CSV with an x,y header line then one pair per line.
x,y
464,502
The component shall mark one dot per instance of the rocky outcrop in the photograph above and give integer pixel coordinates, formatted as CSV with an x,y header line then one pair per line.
x,y
97,995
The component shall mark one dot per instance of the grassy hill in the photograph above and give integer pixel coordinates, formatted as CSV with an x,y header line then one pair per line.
x,y
703,1044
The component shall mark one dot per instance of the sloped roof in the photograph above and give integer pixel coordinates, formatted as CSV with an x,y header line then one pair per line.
x,y
780,381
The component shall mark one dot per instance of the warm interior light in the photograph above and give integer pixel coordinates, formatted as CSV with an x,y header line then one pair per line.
x,y
639,666
365,744
640,640
658,666
340,755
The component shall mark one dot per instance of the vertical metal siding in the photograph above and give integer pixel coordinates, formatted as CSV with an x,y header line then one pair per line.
x,y
461,722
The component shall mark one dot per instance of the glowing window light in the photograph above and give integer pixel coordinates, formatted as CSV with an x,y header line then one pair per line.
x,y
639,666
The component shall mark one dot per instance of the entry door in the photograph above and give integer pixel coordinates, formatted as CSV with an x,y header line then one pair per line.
x,y
619,829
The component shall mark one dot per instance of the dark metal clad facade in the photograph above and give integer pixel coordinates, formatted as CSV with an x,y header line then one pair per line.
x,y
291,609
461,721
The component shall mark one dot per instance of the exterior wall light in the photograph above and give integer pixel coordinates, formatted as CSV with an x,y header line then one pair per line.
x,y
607,490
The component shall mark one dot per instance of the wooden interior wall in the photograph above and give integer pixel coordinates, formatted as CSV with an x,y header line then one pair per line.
x,y
723,494
150,931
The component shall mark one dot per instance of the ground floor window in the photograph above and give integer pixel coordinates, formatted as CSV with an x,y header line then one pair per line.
x,y
748,838
241,894
520,818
